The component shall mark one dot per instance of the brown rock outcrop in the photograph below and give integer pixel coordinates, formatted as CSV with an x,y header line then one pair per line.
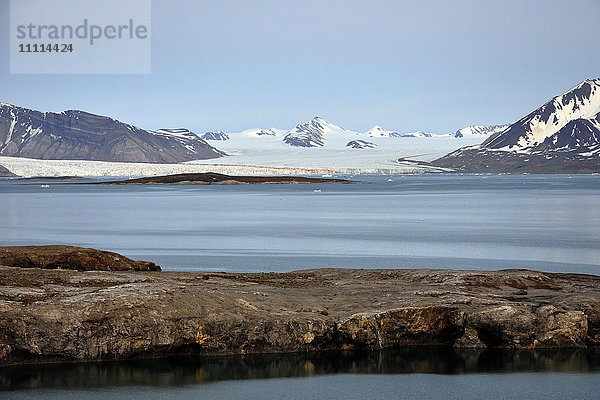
x,y
69,257
73,315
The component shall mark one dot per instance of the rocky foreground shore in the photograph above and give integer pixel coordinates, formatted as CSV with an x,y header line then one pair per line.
x,y
57,315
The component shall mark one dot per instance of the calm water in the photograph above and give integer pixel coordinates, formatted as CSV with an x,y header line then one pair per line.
x,y
393,374
474,222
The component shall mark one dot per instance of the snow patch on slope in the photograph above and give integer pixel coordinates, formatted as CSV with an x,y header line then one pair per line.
x,y
179,132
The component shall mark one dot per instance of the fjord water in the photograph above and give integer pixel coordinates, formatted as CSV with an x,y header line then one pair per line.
x,y
543,222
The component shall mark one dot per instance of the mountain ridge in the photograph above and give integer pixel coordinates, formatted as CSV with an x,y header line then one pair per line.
x,y
80,135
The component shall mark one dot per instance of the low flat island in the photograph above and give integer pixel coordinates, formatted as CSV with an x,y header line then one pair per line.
x,y
56,314
212,178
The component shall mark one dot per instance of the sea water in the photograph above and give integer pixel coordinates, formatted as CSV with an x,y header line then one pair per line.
x,y
542,222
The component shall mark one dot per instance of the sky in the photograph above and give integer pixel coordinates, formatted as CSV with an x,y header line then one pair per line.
x,y
406,65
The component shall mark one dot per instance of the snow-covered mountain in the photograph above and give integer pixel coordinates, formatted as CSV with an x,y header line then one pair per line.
x,y
79,135
322,144
215,135
317,132
261,132
361,144
418,134
314,133
480,130
378,131
568,121
563,135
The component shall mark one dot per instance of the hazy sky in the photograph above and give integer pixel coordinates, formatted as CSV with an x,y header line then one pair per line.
x,y
405,65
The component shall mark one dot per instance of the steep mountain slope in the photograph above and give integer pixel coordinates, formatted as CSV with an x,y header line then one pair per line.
x,y
562,136
78,135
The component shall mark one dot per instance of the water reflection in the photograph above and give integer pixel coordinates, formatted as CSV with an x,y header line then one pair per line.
x,y
182,371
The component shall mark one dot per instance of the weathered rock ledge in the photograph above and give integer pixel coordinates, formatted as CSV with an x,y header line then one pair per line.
x,y
74,315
